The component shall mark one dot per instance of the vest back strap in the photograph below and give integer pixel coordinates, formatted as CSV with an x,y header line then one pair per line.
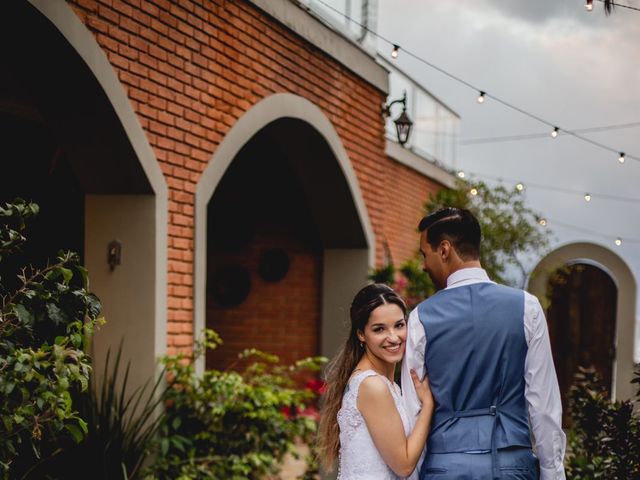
x,y
480,412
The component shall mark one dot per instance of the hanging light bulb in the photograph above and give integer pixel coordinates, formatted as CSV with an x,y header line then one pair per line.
x,y
395,52
587,197
460,174
481,97
589,5
618,241
543,222
621,158
520,186
473,191
554,134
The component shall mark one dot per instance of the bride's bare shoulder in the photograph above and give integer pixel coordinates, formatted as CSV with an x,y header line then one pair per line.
x,y
373,388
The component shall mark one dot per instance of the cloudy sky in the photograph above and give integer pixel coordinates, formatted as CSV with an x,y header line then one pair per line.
x,y
558,61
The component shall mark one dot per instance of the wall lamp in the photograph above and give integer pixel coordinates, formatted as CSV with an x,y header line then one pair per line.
x,y
114,254
403,122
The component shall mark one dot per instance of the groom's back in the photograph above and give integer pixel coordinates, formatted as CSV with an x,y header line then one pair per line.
x,y
475,356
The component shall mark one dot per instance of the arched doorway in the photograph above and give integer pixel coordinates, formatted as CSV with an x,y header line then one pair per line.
x,y
281,180
595,292
582,323
77,149
34,168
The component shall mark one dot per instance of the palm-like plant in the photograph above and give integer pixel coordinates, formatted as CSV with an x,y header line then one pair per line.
x,y
121,427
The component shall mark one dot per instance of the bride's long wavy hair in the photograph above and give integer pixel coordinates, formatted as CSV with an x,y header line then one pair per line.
x,y
339,370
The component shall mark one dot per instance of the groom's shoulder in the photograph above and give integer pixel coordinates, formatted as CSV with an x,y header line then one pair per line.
x,y
497,288
508,291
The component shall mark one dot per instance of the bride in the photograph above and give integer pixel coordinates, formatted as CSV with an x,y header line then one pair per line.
x,y
363,421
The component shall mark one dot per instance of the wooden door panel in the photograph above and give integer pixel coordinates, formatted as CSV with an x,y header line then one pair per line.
x,y
582,321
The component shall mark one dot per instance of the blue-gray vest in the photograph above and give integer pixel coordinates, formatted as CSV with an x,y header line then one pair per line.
x,y
475,358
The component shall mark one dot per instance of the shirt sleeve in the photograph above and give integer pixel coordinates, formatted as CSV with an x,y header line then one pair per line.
x,y
543,394
413,359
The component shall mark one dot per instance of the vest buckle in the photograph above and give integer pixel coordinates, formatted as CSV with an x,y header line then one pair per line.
x,y
492,410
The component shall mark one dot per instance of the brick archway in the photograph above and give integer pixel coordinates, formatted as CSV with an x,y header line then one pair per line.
x,y
345,266
624,280
125,195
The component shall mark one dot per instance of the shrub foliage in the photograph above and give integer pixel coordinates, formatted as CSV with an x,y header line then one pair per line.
x,y
233,424
45,317
604,441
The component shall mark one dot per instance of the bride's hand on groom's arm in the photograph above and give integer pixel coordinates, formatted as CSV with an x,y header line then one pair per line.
x,y
423,390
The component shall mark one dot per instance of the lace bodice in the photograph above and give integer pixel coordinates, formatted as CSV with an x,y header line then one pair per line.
x,y
359,458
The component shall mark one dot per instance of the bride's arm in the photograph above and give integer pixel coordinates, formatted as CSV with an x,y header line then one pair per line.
x,y
383,421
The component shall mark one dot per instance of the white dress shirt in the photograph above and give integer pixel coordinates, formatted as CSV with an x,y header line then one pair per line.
x,y
541,384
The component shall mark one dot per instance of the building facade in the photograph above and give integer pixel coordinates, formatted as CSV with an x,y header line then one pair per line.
x,y
234,150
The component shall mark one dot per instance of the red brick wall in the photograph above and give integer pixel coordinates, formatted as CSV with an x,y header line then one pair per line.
x,y
282,317
406,193
191,69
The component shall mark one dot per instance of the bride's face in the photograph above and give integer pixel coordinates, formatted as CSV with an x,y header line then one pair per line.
x,y
385,333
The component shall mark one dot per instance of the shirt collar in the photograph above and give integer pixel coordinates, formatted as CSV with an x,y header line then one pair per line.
x,y
466,276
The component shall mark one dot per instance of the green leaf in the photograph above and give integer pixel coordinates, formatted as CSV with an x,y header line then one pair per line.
x,y
75,432
67,274
23,314
55,314
164,446
83,425
76,340
177,421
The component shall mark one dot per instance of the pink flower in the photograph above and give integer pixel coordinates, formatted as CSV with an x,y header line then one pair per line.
x,y
310,412
316,385
400,283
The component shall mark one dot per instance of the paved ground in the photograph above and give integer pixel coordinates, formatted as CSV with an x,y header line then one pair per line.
x,y
292,468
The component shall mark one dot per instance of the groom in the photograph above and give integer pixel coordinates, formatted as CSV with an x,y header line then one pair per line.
x,y
486,350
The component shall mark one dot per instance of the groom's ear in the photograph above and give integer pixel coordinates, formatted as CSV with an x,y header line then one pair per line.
x,y
445,249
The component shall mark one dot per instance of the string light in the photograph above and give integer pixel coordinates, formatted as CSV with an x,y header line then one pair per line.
x,y
544,222
481,97
533,136
520,186
554,134
595,233
589,5
621,158
473,191
395,52
460,174
552,188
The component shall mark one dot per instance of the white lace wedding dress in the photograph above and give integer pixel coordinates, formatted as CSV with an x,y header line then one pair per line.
x,y
359,458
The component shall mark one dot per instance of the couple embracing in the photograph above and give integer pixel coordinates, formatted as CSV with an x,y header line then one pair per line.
x,y
479,389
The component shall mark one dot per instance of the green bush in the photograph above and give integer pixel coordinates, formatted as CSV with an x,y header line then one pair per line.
x,y
45,318
233,424
604,440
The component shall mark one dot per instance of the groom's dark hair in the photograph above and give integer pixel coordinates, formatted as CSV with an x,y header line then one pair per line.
x,y
459,226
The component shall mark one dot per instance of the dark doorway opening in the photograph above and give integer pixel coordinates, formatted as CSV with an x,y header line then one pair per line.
x,y
582,324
